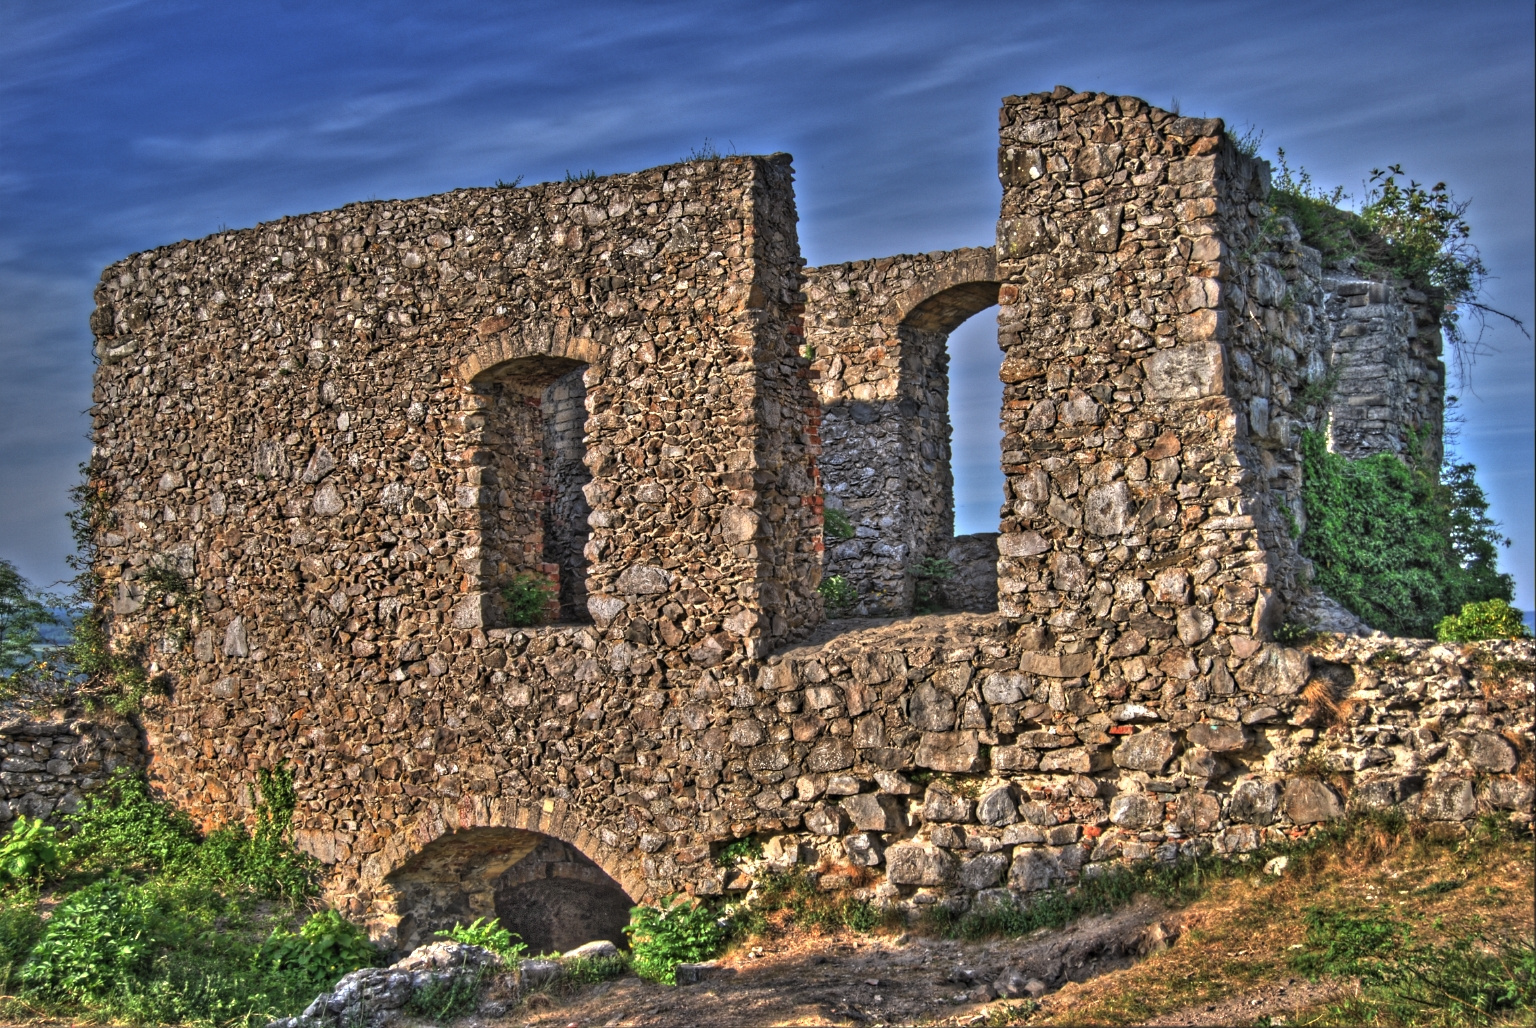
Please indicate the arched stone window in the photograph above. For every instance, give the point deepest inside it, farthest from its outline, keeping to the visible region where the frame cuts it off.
(880, 331)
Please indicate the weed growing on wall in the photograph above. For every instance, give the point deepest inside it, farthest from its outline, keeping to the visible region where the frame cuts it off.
(527, 598)
(1393, 545)
(835, 525)
(1403, 228)
(838, 595)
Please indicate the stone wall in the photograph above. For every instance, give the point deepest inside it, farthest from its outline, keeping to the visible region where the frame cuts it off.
(49, 766)
(342, 429)
(936, 753)
(1388, 383)
(349, 430)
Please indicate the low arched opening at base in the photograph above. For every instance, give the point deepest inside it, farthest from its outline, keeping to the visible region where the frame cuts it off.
(545, 890)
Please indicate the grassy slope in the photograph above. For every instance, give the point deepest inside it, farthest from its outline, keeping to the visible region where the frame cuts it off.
(1361, 916)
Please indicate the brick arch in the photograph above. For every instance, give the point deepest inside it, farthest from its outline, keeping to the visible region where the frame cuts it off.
(962, 283)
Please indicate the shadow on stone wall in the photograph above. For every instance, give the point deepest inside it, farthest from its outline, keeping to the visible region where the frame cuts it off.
(545, 890)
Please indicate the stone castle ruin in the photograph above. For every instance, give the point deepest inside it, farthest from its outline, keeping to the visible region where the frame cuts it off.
(349, 431)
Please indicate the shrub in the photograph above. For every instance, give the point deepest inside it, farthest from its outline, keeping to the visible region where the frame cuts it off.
(487, 933)
(1491, 619)
(122, 827)
(325, 947)
(263, 861)
(97, 939)
(29, 851)
(930, 573)
(1393, 545)
(527, 598)
(837, 595)
(679, 931)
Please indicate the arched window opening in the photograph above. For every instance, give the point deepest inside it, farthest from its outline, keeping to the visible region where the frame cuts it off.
(532, 470)
(979, 489)
(950, 372)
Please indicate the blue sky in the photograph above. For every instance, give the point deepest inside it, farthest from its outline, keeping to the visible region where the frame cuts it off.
(129, 125)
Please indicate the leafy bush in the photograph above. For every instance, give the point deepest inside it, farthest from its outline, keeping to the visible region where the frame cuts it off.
(527, 598)
(121, 827)
(487, 933)
(20, 928)
(930, 574)
(1394, 546)
(679, 931)
(97, 940)
(835, 525)
(29, 851)
(325, 947)
(837, 595)
(1491, 619)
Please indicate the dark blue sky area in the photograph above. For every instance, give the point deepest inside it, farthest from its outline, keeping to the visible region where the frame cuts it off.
(127, 125)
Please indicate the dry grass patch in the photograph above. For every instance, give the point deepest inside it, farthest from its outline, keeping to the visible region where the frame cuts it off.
(1352, 919)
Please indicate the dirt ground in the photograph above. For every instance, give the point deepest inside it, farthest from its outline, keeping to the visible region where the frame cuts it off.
(851, 979)
(1221, 960)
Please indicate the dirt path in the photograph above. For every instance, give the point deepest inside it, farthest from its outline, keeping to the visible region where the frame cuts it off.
(860, 980)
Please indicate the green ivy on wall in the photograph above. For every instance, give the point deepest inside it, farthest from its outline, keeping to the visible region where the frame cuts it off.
(1396, 547)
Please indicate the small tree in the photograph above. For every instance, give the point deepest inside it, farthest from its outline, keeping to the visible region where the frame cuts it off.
(22, 616)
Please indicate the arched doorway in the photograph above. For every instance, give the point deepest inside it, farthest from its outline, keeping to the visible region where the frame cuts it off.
(880, 332)
(949, 348)
(544, 889)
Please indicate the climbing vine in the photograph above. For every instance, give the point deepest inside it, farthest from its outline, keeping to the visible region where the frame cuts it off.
(1394, 545)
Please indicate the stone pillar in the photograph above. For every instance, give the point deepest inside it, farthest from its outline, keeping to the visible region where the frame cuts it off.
(1130, 511)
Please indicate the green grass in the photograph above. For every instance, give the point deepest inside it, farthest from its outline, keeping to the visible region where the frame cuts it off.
(151, 922)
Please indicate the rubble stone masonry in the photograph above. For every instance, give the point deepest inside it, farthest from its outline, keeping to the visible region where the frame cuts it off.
(350, 430)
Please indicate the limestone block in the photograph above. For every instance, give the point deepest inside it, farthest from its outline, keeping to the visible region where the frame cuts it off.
(956, 752)
(1136, 810)
(1308, 801)
(997, 807)
(874, 812)
(825, 820)
(1487, 751)
(917, 863)
(982, 871)
(1034, 869)
(863, 849)
(942, 805)
(1255, 801)
(1448, 799)
(1148, 751)
(1216, 736)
